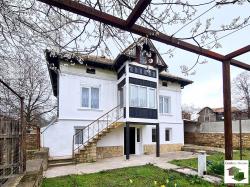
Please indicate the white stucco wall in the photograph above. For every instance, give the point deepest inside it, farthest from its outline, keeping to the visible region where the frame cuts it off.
(177, 133)
(58, 137)
(174, 92)
(114, 138)
(70, 81)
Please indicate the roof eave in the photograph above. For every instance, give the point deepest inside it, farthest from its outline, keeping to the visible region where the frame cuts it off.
(182, 82)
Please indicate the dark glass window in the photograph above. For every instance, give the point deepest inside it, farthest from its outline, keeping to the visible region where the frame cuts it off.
(138, 135)
(90, 70)
(164, 83)
(167, 135)
(153, 134)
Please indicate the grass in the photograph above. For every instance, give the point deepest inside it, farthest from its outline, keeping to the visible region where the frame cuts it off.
(215, 162)
(217, 157)
(139, 176)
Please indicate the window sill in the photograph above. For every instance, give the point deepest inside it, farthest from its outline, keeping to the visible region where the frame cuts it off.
(166, 114)
(90, 109)
(168, 142)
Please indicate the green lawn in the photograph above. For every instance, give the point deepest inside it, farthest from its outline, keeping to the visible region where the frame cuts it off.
(215, 162)
(144, 176)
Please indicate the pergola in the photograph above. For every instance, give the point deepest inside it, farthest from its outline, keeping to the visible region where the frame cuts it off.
(130, 26)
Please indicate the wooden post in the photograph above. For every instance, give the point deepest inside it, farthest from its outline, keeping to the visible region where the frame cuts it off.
(240, 128)
(127, 141)
(23, 142)
(157, 140)
(38, 137)
(227, 110)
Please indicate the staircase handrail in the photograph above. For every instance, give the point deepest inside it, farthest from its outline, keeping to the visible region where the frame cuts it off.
(92, 124)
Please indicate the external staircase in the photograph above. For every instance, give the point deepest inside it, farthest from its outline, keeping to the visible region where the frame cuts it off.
(85, 140)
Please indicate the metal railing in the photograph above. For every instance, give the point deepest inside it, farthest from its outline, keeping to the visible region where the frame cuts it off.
(88, 133)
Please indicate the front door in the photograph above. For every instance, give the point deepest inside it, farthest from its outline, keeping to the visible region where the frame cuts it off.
(139, 149)
(131, 140)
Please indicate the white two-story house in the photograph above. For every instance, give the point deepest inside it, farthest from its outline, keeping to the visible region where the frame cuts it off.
(107, 108)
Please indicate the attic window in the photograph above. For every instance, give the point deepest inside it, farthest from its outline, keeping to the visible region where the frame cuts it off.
(143, 59)
(165, 83)
(90, 70)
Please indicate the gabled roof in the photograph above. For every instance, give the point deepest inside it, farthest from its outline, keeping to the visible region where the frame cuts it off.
(219, 110)
(205, 108)
(53, 60)
(130, 53)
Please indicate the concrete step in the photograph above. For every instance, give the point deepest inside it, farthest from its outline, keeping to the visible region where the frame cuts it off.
(60, 160)
(61, 164)
(63, 161)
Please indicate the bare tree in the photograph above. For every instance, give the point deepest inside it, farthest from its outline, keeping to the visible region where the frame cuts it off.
(241, 91)
(29, 80)
(31, 26)
(190, 110)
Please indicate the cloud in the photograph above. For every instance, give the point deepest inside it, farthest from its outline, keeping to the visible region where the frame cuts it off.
(204, 93)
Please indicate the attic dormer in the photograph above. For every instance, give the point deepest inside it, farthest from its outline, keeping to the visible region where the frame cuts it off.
(143, 52)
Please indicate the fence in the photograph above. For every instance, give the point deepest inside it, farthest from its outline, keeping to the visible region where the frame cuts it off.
(12, 131)
(212, 134)
(217, 127)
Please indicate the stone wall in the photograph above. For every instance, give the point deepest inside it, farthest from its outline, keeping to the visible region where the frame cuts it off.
(109, 151)
(31, 141)
(164, 148)
(88, 154)
(215, 139)
(43, 154)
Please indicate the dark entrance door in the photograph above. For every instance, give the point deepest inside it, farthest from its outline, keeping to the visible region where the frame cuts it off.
(131, 140)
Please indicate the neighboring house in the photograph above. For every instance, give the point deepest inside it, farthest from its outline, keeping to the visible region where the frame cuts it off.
(107, 108)
(215, 114)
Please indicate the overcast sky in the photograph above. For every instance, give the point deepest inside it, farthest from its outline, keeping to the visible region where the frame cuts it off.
(207, 87)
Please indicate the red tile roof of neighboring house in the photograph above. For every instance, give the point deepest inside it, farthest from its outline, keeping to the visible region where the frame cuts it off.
(221, 110)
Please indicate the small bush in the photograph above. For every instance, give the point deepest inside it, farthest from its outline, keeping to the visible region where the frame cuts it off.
(216, 167)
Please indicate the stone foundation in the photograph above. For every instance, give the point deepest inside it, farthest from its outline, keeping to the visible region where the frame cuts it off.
(164, 148)
(88, 154)
(109, 151)
(216, 139)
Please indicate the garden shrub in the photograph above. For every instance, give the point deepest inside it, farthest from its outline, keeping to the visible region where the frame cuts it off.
(216, 167)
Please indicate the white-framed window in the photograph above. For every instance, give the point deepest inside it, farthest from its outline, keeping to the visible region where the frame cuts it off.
(79, 136)
(168, 135)
(165, 104)
(141, 96)
(121, 97)
(90, 97)
(151, 98)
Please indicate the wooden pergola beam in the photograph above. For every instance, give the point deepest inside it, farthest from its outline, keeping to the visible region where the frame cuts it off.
(103, 17)
(129, 26)
(137, 12)
(238, 52)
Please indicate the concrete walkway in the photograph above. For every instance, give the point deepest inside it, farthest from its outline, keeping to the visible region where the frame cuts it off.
(119, 162)
(209, 178)
(209, 150)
